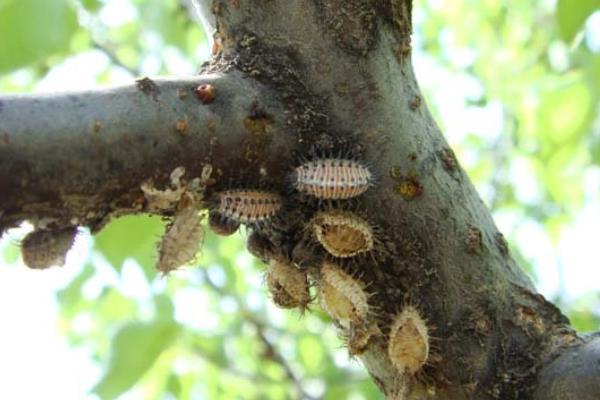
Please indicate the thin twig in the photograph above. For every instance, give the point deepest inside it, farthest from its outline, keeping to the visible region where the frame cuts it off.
(113, 58)
(276, 357)
(253, 319)
(234, 371)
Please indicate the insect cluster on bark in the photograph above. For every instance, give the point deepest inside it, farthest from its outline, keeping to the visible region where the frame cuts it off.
(346, 237)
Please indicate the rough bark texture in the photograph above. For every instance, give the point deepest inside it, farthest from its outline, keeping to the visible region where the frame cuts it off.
(292, 77)
(80, 158)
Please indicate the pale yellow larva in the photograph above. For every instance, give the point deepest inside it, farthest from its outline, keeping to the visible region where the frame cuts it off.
(343, 234)
(408, 341)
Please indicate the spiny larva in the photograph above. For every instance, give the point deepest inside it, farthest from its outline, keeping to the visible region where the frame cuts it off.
(333, 178)
(248, 206)
(288, 285)
(43, 248)
(342, 296)
(182, 239)
(342, 233)
(345, 299)
(408, 346)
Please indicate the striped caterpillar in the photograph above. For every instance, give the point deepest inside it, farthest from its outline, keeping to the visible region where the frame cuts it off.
(248, 206)
(333, 178)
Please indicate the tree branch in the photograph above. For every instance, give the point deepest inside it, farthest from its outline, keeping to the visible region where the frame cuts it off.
(575, 375)
(79, 157)
(337, 78)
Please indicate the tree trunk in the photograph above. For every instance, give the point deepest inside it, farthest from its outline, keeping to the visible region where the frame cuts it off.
(293, 80)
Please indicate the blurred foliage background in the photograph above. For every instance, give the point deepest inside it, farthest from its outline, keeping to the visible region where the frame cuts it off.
(516, 87)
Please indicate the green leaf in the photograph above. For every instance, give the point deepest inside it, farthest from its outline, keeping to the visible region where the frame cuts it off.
(31, 30)
(134, 350)
(131, 236)
(584, 320)
(211, 348)
(91, 5)
(164, 308)
(114, 306)
(337, 392)
(173, 386)
(70, 295)
(168, 20)
(11, 253)
(572, 14)
(564, 114)
(592, 74)
(310, 351)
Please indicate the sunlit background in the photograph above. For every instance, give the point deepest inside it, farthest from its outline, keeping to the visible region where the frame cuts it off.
(515, 85)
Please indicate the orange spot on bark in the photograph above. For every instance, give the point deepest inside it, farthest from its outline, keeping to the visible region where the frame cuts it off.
(410, 188)
(206, 93)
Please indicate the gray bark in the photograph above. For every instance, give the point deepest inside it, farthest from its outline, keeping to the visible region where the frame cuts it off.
(80, 158)
(574, 375)
(326, 74)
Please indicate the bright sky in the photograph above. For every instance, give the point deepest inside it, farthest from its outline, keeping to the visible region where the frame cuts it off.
(36, 362)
